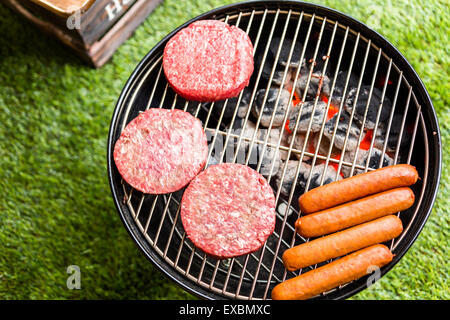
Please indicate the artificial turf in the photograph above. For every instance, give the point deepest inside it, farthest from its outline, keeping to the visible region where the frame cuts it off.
(56, 208)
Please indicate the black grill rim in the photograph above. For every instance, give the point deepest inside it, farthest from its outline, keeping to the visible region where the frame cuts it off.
(432, 126)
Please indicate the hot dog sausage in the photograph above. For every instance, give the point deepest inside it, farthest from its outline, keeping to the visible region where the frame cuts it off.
(329, 276)
(343, 242)
(338, 192)
(355, 212)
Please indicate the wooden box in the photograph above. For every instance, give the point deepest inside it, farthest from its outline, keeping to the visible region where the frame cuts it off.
(94, 29)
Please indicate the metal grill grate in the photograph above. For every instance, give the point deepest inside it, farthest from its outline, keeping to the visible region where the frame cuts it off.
(335, 47)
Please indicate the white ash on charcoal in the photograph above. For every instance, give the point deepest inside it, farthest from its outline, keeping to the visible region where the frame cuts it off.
(238, 131)
(283, 209)
(269, 156)
(341, 131)
(275, 137)
(288, 83)
(324, 147)
(286, 185)
(318, 172)
(394, 133)
(318, 84)
(377, 156)
(295, 64)
(284, 142)
(270, 108)
(242, 131)
(318, 118)
(374, 106)
(349, 157)
(362, 157)
(299, 142)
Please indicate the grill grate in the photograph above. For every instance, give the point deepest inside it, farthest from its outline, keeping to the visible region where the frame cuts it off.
(335, 47)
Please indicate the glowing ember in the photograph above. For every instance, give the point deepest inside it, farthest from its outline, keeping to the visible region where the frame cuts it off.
(286, 127)
(336, 165)
(296, 100)
(365, 143)
(311, 148)
(382, 81)
(332, 110)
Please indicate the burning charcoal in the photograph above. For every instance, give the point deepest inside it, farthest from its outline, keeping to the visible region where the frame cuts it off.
(230, 148)
(349, 157)
(376, 156)
(361, 160)
(289, 178)
(373, 108)
(284, 142)
(298, 144)
(339, 86)
(394, 133)
(380, 138)
(324, 146)
(282, 209)
(318, 171)
(295, 64)
(305, 169)
(238, 125)
(230, 106)
(342, 127)
(305, 118)
(275, 136)
(271, 158)
(288, 80)
(319, 84)
(268, 109)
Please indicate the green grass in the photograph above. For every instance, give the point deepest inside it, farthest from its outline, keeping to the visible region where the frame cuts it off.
(56, 209)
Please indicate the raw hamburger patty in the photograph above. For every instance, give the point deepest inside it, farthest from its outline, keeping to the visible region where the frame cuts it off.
(208, 61)
(228, 210)
(161, 150)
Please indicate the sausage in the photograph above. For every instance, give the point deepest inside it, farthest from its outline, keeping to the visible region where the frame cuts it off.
(336, 193)
(329, 276)
(355, 212)
(343, 242)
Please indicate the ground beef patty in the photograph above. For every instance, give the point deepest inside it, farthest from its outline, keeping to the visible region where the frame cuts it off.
(228, 210)
(208, 61)
(161, 150)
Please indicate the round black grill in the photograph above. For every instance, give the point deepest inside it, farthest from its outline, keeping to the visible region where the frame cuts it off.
(329, 56)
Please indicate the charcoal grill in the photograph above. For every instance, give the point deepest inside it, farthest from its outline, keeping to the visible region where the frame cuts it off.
(328, 41)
